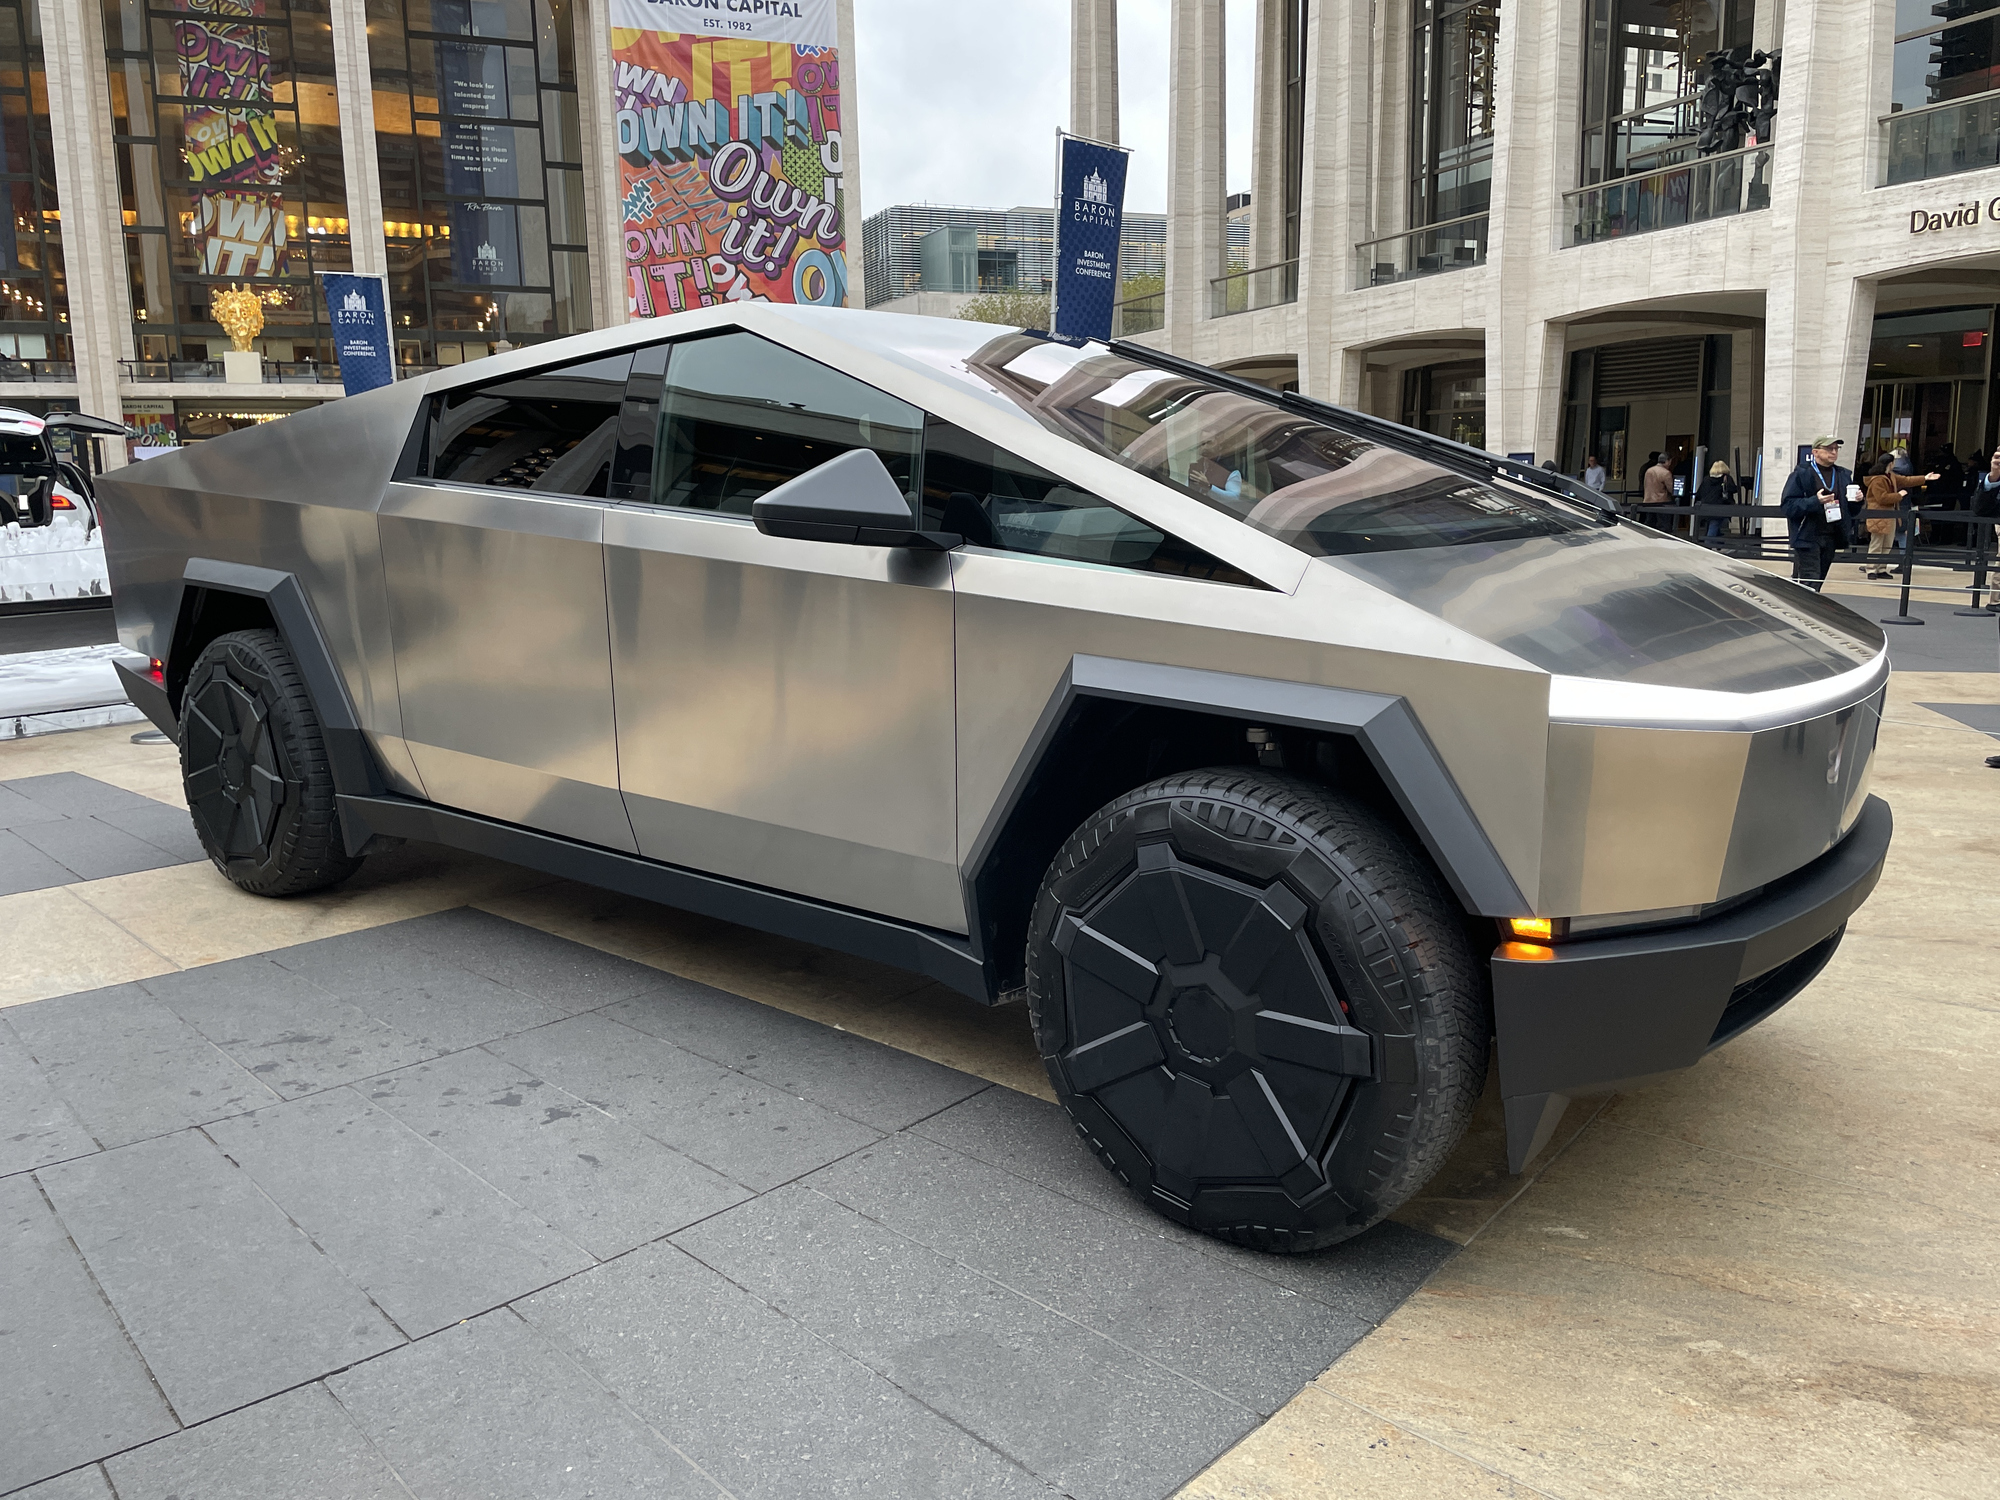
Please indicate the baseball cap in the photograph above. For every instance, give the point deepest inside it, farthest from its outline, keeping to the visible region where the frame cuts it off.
(1829, 441)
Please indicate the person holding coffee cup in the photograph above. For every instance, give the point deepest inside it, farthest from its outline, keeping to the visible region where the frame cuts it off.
(1818, 501)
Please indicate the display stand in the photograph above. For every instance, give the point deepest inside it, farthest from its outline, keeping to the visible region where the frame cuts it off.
(242, 367)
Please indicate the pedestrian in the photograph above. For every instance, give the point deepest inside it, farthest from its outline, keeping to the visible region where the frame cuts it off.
(1593, 474)
(1884, 492)
(1720, 488)
(1657, 487)
(1815, 504)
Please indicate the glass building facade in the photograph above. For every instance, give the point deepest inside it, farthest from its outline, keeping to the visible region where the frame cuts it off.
(480, 151)
(227, 135)
(34, 297)
(1453, 97)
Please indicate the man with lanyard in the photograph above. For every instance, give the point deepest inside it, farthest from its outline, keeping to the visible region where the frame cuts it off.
(1816, 503)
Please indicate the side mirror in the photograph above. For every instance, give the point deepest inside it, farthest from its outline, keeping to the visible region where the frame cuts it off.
(846, 499)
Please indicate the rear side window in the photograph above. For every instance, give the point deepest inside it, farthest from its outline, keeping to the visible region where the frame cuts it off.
(739, 415)
(993, 498)
(553, 431)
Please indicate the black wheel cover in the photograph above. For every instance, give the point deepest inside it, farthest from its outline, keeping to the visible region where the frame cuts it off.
(239, 779)
(1204, 1024)
(1242, 1019)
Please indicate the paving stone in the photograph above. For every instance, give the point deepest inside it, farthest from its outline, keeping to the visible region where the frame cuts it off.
(76, 796)
(439, 1004)
(78, 1484)
(226, 1300)
(93, 850)
(162, 826)
(573, 977)
(427, 1239)
(292, 1034)
(16, 810)
(36, 1127)
(489, 1409)
(760, 1402)
(604, 1184)
(1084, 1413)
(23, 867)
(852, 1075)
(130, 1067)
(756, 1134)
(301, 1444)
(1368, 1277)
(1254, 1341)
(71, 1388)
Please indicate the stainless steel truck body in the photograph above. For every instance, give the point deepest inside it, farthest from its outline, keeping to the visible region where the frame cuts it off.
(1282, 759)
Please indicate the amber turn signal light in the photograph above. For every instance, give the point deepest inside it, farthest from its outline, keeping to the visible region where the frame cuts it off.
(1531, 929)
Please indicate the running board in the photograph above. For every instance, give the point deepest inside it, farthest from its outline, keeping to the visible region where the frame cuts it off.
(942, 956)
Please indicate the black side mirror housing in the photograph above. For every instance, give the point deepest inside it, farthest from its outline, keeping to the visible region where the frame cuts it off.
(848, 499)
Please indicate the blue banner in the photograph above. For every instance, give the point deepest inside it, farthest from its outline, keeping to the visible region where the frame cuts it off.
(357, 307)
(1090, 217)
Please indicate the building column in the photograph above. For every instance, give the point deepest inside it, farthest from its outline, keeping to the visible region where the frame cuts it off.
(1538, 59)
(597, 131)
(1093, 69)
(1333, 192)
(1196, 167)
(851, 220)
(1817, 317)
(1267, 137)
(93, 231)
(355, 90)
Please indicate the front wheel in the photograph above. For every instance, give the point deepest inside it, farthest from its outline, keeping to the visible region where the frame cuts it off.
(253, 764)
(1259, 1005)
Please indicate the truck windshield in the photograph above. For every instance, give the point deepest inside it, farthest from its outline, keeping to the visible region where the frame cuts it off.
(1323, 490)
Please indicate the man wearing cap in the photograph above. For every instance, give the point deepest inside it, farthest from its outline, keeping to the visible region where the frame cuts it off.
(1816, 504)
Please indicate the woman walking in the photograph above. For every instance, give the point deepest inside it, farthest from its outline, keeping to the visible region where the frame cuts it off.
(1884, 492)
(1720, 488)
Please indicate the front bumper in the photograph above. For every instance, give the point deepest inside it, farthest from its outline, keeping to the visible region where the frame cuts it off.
(1604, 1014)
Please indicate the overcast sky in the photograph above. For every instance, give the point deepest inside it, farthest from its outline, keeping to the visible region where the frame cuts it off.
(960, 103)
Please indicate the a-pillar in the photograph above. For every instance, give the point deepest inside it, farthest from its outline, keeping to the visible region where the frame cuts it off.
(1818, 317)
(1093, 69)
(1196, 106)
(354, 89)
(100, 297)
(1333, 190)
(1267, 137)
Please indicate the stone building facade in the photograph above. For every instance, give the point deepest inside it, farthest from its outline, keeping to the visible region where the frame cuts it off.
(1522, 223)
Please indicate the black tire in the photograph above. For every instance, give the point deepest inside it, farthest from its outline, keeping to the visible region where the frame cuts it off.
(1259, 1004)
(253, 764)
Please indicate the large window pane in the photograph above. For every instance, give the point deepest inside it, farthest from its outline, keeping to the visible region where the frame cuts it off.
(34, 303)
(740, 416)
(551, 431)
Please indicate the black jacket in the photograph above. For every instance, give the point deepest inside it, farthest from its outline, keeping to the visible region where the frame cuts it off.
(1805, 518)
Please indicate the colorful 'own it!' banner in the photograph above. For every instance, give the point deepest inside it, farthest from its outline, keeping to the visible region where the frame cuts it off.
(729, 149)
(231, 138)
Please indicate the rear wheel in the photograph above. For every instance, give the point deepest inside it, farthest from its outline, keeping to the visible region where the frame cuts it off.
(1259, 1005)
(253, 763)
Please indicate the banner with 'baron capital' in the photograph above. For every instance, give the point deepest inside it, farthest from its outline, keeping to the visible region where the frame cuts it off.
(357, 309)
(729, 145)
(1090, 218)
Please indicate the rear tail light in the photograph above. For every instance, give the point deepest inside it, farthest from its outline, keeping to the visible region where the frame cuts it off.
(62, 502)
(157, 669)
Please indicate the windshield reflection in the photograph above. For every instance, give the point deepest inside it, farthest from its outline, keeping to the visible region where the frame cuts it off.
(1322, 490)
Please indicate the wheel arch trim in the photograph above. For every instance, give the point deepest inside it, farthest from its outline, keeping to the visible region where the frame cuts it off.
(349, 759)
(1384, 725)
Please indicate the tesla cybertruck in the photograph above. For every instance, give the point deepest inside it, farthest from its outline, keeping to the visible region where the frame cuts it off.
(1283, 760)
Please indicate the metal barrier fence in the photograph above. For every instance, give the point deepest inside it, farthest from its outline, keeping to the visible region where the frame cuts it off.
(1978, 558)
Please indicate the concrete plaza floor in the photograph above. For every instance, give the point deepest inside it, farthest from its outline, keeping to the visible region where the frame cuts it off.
(1772, 1276)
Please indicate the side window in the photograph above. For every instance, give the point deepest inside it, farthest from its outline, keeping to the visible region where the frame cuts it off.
(552, 430)
(740, 415)
(994, 499)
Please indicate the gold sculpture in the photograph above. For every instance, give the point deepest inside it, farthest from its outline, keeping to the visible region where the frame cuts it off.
(241, 315)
